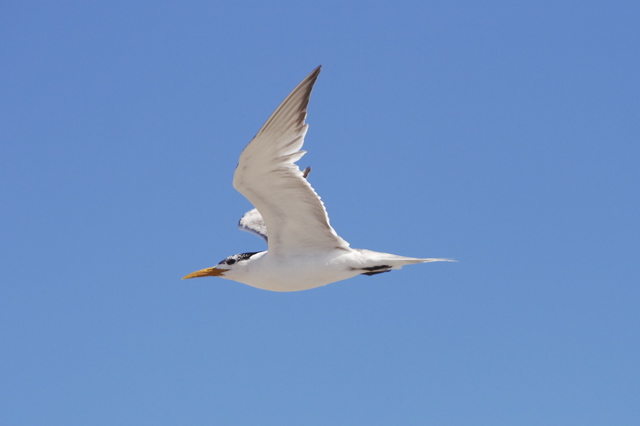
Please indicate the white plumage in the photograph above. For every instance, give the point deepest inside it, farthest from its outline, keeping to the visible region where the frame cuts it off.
(304, 250)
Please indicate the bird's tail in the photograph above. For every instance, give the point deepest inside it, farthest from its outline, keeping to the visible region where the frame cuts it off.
(376, 262)
(400, 261)
(411, 260)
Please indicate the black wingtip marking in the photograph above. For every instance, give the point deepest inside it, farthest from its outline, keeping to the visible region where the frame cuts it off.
(373, 270)
(376, 268)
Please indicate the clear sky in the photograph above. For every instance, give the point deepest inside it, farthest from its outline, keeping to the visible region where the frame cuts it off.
(502, 134)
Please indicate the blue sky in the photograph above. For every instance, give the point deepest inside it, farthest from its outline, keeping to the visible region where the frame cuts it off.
(502, 134)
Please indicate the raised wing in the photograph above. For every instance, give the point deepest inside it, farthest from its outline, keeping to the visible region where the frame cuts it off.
(269, 178)
(253, 222)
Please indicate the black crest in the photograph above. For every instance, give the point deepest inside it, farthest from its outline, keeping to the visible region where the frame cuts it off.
(237, 258)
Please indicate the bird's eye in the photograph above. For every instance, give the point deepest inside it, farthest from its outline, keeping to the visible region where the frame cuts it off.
(231, 261)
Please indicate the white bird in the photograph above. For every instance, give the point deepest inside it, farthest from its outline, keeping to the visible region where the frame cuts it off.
(304, 251)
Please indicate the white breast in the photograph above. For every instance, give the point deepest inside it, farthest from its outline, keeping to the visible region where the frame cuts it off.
(295, 273)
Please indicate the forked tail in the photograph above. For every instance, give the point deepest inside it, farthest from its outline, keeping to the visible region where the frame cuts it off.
(377, 263)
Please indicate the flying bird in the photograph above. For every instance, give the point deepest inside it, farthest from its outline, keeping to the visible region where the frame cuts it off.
(304, 251)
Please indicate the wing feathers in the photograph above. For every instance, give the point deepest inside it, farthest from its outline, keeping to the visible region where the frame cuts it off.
(268, 176)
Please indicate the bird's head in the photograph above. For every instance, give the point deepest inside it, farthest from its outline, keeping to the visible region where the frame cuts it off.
(226, 266)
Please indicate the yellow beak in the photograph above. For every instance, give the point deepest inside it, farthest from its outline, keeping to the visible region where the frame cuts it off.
(206, 272)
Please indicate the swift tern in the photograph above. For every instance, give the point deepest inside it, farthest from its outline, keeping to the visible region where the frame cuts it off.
(304, 251)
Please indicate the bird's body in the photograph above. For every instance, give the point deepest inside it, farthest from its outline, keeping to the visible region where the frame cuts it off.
(304, 250)
(308, 270)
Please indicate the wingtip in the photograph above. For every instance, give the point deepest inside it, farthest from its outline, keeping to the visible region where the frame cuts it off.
(313, 75)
